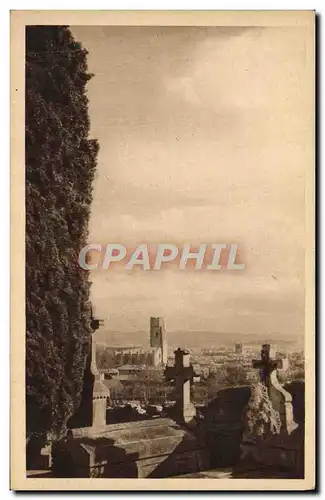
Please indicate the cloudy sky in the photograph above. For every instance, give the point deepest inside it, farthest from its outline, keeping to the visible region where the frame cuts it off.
(202, 135)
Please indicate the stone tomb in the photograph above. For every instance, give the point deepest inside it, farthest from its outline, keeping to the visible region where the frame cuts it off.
(151, 448)
(223, 431)
(159, 447)
(284, 450)
(280, 398)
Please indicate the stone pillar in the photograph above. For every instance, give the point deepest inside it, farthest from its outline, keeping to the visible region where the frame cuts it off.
(99, 411)
(85, 415)
(100, 391)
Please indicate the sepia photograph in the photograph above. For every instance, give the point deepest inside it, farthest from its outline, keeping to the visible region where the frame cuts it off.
(162, 310)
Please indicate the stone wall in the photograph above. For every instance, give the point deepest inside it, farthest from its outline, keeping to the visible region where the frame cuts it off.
(221, 426)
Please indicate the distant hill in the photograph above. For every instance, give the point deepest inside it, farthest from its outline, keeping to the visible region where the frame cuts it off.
(195, 339)
(122, 339)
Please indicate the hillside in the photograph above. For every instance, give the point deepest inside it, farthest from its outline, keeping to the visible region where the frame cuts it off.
(197, 339)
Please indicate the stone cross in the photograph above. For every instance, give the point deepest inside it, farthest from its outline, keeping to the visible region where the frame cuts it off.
(182, 373)
(267, 364)
(280, 398)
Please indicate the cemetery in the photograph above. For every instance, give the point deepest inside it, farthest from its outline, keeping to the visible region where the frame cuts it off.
(244, 431)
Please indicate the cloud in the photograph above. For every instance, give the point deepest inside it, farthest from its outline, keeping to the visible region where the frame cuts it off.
(258, 69)
(202, 136)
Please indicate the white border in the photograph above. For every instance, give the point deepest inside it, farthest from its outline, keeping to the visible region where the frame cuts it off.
(4, 198)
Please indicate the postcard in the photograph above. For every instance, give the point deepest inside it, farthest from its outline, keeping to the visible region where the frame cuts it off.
(162, 250)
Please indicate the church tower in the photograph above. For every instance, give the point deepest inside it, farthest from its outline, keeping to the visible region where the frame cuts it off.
(158, 337)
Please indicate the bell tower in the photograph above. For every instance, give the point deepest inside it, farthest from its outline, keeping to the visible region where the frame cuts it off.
(158, 337)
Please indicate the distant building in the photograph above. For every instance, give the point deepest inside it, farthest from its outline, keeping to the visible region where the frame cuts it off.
(158, 339)
(239, 348)
(154, 356)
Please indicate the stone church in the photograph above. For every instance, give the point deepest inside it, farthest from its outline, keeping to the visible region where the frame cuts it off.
(155, 355)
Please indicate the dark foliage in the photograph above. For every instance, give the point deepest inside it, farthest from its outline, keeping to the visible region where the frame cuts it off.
(60, 166)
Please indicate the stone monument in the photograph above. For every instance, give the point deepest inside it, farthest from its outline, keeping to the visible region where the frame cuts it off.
(182, 373)
(280, 398)
(283, 449)
(147, 448)
(92, 409)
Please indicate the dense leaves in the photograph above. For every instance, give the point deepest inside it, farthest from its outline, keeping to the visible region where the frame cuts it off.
(60, 166)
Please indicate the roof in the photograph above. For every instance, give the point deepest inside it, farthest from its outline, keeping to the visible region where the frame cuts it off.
(131, 367)
(139, 368)
(123, 347)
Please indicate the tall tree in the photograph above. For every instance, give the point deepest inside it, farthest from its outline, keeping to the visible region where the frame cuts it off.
(60, 166)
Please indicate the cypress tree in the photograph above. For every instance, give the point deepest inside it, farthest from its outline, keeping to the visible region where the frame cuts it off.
(60, 165)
